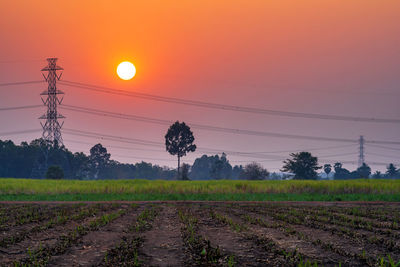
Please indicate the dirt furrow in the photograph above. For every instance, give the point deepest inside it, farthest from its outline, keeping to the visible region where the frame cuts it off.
(16, 232)
(378, 240)
(91, 248)
(358, 222)
(48, 238)
(284, 237)
(200, 234)
(163, 245)
(344, 241)
(244, 248)
(16, 217)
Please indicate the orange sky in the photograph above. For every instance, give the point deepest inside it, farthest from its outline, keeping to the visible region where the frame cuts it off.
(332, 57)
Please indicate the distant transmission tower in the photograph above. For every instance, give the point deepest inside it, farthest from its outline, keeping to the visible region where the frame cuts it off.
(361, 159)
(52, 127)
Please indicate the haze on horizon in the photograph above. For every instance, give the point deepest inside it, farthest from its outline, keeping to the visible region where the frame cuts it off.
(311, 56)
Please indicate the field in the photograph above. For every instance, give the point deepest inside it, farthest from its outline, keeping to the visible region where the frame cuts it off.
(199, 234)
(224, 190)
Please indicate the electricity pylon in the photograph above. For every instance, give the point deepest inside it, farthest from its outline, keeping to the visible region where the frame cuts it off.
(52, 127)
(361, 159)
(51, 136)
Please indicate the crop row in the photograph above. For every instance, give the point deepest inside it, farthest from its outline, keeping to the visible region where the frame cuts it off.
(75, 215)
(382, 261)
(344, 225)
(355, 220)
(212, 235)
(201, 252)
(15, 216)
(291, 257)
(309, 222)
(40, 256)
(286, 228)
(300, 215)
(126, 253)
(381, 214)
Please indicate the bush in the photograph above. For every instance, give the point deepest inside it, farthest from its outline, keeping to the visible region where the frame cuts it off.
(185, 171)
(55, 172)
(254, 171)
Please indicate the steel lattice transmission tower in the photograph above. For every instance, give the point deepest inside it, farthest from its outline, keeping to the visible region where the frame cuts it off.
(361, 159)
(51, 126)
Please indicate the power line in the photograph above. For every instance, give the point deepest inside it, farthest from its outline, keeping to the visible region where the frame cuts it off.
(136, 157)
(20, 83)
(151, 143)
(299, 150)
(19, 61)
(385, 147)
(216, 128)
(338, 155)
(203, 127)
(203, 104)
(382, 142)
(204, 150)
(206, 127)
(325, 160)
(117, 147)
(144, 142)
(213, 105)
(158, 144)
(19, 132)
(356, 163)
(142, 158)
(233, 161)
(254, 152)
(324, 157)
(20, 107)
(380, 155)
(266, 160)
(113, 137)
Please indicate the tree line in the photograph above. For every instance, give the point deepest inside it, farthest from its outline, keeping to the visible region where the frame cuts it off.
(40, 159)
(179, 140)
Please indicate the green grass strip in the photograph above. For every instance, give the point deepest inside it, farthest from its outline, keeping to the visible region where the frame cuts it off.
(140, 186)
(201, 197)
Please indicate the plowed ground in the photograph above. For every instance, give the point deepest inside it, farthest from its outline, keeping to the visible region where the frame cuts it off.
(200, 234)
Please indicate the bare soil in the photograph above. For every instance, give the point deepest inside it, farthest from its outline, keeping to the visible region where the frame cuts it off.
(90, 250)
(163, 245)
(243, 233)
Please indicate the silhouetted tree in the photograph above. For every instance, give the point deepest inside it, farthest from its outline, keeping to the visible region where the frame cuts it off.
(364, 171)
(185, 171)
(377, 175)
(275, 176)
(80, 166)
(179, 141)
(201, 168)
(391, 171)
(211, 167)
(98, 159)
(337, 166)
(236, 172)
(254, 171)
(303, 165)
(327, 169)
(340, 172)
(20, 160)
(144, 170)
(221, 169)
(55, 172)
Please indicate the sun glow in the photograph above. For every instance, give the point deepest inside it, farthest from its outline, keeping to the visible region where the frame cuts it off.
(126, 70)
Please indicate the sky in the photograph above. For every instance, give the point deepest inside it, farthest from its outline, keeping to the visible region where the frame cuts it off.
(311, 56)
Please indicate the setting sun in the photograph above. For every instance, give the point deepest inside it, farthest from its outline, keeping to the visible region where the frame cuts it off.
(126, 70)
